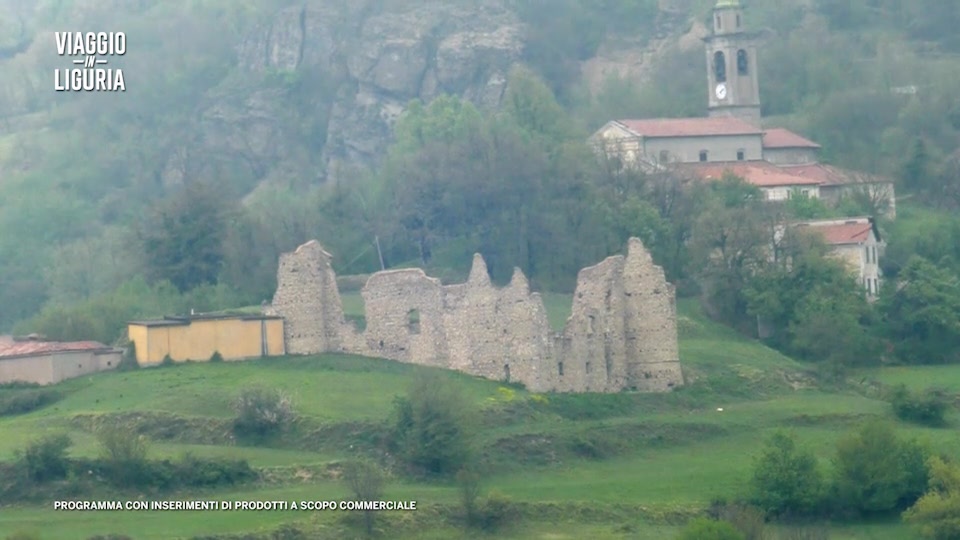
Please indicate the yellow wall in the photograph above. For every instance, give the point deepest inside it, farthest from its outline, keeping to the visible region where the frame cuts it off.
(234, 339)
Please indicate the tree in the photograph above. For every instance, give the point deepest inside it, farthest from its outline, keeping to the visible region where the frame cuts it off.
(922, 313)
(183, 237)
(433, 426)
(937, 513)
(365, 481)
(876, 472)
(786, 479)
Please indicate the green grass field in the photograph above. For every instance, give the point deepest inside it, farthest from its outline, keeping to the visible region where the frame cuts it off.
(681, 451)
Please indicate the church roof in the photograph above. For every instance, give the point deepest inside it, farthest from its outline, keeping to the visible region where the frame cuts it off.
(783, 138)
(843, 231)
(759, 173)
(689, 127)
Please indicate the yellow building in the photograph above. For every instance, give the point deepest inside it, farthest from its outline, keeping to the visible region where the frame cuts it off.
(198, 337)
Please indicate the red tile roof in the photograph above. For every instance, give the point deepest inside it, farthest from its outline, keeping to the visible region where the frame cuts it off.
(689, 127)
(783, 138)
(832, 176)
(837, 233)
(36, 348)
(758, 173)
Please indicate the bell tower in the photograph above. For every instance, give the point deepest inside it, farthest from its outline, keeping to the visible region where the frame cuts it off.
(734, 88)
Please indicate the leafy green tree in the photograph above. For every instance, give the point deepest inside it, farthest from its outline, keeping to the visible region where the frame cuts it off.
(875, 471)
(709, 529)
(786, 479)
(433, 426)
(183, 237)
(937, 513)
(922, 313)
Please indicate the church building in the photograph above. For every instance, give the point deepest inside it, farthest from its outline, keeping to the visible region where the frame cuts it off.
(732, 138)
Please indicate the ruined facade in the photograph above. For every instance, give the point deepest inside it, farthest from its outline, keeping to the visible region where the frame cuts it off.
(621, 334)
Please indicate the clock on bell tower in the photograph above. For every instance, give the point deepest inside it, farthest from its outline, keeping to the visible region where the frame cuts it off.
(734, 88)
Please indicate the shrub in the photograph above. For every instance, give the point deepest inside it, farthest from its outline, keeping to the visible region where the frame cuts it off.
(46, 458)
(876, 472)
(261, 412)
(167, 361)
(786, 478)
(192, 471)
(216, 357)
(365, 481)
(124, 457)
(709, 529)
(469, 483)
(129, 360)
(495, 512)
(22, 401)
(433, 426)
(937, 513)
(805, 532)
(927, 408)
(748, 520)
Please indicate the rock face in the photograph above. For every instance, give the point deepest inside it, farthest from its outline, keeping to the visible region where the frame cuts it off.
(371, 58)
(621, 335)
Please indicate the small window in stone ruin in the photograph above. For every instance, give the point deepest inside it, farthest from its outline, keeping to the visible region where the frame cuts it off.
(381, 343)
(560, 368)
(646, 375)
(587, 366)
(591, 320)
(413, 321)
(703, 155)
(109, 364)
(506, 372)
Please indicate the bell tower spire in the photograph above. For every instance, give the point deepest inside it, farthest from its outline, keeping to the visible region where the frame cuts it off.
(734, 88)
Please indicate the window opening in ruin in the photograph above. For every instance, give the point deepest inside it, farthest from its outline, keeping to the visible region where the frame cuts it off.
(413, 321)
(720, 66)
(381, 343)
(588, 367)
(742, 62)
(591, 320)
(506, 372)
(646, 375)
(608, 359)
(560, 368)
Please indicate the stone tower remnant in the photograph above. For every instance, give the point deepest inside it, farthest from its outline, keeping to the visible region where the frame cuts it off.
(621, 334)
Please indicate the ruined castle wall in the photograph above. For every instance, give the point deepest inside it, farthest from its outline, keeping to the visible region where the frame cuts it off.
(309, 301)
(651, 314)
(405, 319)
(621, 333)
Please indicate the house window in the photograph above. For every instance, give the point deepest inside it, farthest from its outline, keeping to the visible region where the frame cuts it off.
(413, 321)
(740, 155)
(719, 22)
(703, 155)
(664, 156)
(874, 249)
(738, 20)
(742, 62)
(720, 66)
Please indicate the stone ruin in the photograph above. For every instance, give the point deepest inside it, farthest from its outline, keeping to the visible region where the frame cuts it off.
(621, 334)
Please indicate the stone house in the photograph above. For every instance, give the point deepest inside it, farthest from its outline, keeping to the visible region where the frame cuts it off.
(732, 136)
(33, 360)
(855, 241)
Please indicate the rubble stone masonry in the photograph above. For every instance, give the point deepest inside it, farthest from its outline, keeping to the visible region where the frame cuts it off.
(621, 334)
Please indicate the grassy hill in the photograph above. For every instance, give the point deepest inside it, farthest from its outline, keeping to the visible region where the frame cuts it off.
(575, 466)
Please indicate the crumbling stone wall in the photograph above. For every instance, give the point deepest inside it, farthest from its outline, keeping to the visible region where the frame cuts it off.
(621, 334)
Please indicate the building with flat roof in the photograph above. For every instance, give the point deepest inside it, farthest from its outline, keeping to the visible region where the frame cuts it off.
(199, 337)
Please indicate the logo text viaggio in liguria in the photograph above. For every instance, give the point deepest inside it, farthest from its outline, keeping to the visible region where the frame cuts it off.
(90, 53)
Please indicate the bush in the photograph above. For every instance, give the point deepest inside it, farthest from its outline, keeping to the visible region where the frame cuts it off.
(46, 459)
(469, 483)
(877, 472)
(365, 481)
(786, 479)
(928, 408)
(708, 529)
(167, 361)
(192, 471)
(216, 357)
(495, 512)
(433, 426)
(22, 401)
(748, 520)
(261, 412)
(124, 457)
